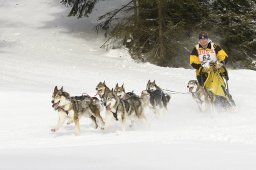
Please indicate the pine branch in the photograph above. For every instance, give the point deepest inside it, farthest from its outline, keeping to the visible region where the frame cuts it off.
(110, 15)
(80, 8)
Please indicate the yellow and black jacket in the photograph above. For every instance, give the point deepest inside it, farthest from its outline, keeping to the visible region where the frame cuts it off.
(194, 56)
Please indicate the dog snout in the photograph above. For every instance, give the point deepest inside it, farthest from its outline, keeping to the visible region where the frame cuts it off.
(52, 101)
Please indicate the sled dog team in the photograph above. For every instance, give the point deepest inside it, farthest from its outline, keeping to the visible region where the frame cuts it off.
(124, 107)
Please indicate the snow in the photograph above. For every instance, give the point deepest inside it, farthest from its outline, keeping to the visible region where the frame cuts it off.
(40, 48)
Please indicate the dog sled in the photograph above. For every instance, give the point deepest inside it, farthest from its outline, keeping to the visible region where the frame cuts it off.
(216, 86)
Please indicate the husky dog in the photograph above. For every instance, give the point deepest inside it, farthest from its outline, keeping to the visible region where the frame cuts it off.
(157, 96)
(120, 92)
(131, 98)
(145, 98)
(74, 108)
(199, 94)
(207, 100)
(102, 90)
(123, 110)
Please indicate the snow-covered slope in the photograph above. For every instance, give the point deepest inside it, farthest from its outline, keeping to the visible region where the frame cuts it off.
(40, 48)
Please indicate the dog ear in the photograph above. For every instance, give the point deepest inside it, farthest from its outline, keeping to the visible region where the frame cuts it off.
(116, 84)
(154, 82)
(123, 87)
(148, 83)
(147, 87)
(104, 82)
(55, 89)
(61, 89)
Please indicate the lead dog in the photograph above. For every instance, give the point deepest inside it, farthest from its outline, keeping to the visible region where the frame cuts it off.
(74, 108)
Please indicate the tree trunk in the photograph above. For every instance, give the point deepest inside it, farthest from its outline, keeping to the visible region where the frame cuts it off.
(136, 12)
(161, 32)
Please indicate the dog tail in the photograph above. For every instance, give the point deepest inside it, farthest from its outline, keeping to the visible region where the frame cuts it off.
(168, 97)
(165, 99)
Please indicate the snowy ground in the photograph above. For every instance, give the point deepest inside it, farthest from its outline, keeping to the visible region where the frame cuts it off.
(40, 48)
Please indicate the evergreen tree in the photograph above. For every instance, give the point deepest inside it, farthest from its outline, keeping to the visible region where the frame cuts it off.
(144, 32)
(235, 23)
(164, 32)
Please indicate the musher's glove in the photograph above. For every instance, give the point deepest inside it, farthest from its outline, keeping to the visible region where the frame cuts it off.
(206, 66)
(219, 64)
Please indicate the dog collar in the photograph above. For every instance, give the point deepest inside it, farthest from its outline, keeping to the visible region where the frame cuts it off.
(60, 108)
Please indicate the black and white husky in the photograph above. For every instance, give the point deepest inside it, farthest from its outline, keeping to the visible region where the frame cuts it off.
(75, 107)
(157, 97)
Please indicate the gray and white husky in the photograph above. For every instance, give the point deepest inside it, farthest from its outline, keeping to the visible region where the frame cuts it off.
(199, 94)
(74, 108)
(133, 100)
(102, 90)
(120, 92)
(207, 101)
(126, 110)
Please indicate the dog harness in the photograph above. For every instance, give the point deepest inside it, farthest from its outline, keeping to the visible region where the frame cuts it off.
(196, 94)
(66, 111)
(115, 113)
(126, 105)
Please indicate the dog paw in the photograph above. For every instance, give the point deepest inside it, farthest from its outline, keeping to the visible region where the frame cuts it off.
(95, 126)
(53, 130)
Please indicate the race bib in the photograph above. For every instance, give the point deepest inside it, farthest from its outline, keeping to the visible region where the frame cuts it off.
(208, 55)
